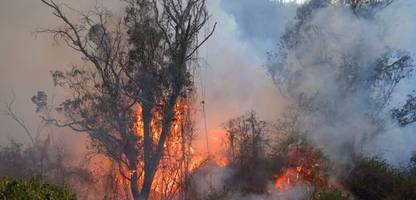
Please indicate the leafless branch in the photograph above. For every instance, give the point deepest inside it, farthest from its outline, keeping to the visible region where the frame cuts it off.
(9, 112)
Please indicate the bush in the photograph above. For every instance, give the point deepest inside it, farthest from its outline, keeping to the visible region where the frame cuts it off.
(405, 187)
(33, 189)
(371, 178)
(374, 179)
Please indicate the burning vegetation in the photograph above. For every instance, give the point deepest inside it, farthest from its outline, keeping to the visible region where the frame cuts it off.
(179, 159)
(304, 166)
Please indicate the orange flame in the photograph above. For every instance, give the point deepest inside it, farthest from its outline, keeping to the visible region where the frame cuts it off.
(288, 179)
(179, 158)
(304, 166)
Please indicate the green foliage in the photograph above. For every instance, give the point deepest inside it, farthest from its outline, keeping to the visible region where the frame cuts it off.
(33, 189)
(374, 179)
(405, 187)
(371, 179)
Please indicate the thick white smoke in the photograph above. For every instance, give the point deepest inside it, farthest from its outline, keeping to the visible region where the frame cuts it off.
(232, 77)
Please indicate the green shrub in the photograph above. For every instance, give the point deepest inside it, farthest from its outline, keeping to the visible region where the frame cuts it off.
(371, 179)
(33, 189)
(374, 179)
(405, 187)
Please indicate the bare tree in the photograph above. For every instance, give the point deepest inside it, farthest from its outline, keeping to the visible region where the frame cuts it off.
(147, 69)
(8, 111)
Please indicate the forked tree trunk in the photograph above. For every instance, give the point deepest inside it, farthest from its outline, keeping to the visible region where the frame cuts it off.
(152, 158)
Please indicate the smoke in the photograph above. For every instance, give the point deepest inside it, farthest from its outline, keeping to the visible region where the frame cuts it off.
(343, 125)
(232, 76)
(260, 22)
(295, 192)
(27, 59)
(330, 67)
(211, 182)
(233, 79)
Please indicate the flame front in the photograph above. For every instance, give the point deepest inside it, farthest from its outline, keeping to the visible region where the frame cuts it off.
(305, 166)
(180, 158)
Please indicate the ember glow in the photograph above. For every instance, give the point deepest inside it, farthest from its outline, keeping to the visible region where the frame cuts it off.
(289, 179)
(305, 166)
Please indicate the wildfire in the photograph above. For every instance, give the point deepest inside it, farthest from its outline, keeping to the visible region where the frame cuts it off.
(305, 165)
(290, 178)
(180, 158)
(222, 162)
(217, 148)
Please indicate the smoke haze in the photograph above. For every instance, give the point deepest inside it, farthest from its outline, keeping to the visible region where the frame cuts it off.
(233, 78)
(232, 72)
(342, 127)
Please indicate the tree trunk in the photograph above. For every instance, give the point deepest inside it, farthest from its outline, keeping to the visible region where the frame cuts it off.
(152, 162)
(147, 183)
(134, 186)
(131, 154)
(148, 143)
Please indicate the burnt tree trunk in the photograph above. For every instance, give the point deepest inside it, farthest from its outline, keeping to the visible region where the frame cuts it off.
(152, 159)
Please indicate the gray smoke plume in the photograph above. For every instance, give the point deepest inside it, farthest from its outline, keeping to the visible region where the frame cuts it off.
(340, 68)
(234, 80)
(344, 125)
